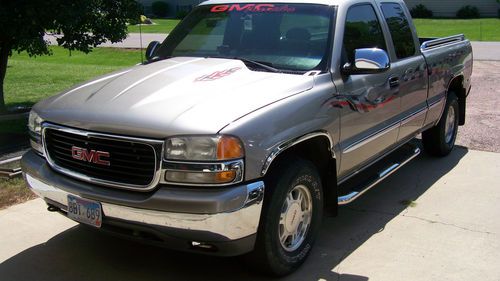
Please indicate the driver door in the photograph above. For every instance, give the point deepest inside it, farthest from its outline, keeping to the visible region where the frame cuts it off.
(369, 121)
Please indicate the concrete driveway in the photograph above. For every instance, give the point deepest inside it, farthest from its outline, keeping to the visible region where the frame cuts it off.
(451, 233)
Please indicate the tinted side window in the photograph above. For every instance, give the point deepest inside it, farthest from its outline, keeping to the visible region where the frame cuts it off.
(362, 30)
(400, 30)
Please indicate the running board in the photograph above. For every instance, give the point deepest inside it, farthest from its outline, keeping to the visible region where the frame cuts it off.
(384, 173)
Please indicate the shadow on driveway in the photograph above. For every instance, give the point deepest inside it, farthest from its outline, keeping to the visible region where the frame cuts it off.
(84, 254)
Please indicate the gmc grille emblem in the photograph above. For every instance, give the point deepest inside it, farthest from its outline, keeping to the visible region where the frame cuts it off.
(91, 156)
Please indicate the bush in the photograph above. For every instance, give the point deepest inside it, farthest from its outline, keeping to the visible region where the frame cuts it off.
(468, 12)
(498, 1)
(159, 9)
(137, 20)
(421, 11)
(181, 14)
(142, 20)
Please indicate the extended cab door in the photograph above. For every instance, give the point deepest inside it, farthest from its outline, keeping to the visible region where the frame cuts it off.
(371, 108)
(408, 68)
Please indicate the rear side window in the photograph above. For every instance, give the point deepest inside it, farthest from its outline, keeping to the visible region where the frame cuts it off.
(399, 27)
(362, 30)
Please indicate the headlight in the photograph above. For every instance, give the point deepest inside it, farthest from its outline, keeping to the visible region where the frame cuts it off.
(35, 123)
(35, 132)
(203, 148)
(203, 160)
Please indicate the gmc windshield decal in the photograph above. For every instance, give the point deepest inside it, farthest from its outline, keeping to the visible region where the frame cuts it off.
(252, 8)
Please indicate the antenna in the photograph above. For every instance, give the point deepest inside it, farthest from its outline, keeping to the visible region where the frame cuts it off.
(140, 38)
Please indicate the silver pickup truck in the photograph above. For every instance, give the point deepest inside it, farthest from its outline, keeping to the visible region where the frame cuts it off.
(248, 122)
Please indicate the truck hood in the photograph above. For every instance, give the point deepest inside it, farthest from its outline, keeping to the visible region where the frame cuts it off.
(175, 96)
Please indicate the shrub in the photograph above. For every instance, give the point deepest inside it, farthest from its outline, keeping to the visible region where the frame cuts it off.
(468, 12)
(159, 9)
(421, 11)
(142, 20)
(181, 14)
(499, 13)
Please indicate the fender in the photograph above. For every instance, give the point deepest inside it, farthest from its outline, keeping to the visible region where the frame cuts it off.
(292, 142)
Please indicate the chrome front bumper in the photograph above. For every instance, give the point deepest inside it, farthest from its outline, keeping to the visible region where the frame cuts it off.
(234, 225)
(239, 221)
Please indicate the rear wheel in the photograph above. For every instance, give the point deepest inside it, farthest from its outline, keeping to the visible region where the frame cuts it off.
(291, 217)
(440, 139)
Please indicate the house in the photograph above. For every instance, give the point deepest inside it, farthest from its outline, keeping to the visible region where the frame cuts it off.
(449, 8)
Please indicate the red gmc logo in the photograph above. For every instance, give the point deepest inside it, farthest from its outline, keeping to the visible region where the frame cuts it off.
(252, 8)
(91, 156)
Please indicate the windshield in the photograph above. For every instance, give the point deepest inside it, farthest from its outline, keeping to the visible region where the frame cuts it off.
(291, 37)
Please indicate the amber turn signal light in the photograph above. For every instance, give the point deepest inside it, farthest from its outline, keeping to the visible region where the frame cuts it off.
(229, 148)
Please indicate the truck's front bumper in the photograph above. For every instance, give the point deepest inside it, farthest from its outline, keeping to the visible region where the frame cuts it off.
(221, 222)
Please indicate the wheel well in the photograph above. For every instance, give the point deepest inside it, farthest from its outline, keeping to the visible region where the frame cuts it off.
(457, 86)
(317, 150)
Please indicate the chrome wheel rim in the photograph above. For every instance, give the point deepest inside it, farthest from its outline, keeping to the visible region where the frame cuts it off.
(450, 125)
(295, 218)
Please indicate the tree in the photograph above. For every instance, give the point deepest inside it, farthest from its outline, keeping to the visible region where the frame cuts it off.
(84, 24)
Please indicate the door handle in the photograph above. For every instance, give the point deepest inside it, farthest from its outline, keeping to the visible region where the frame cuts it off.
(394, 82)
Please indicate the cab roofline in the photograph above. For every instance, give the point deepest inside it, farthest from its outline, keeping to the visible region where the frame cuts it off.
(320, 2)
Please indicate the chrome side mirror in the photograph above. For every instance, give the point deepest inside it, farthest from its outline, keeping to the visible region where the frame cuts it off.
(151, 49)
(367, 61)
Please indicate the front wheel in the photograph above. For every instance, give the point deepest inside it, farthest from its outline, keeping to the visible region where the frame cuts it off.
(290, 218)
(440, 139)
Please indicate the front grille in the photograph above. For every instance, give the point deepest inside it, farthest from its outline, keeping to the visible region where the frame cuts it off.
(130, 163)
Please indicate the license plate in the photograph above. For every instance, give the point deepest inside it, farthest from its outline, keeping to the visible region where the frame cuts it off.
(84, 211)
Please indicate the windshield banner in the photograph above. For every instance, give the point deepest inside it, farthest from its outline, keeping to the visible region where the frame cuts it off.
(252, 8)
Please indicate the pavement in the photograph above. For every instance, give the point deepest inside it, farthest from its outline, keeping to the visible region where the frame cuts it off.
(133, 40)
(482, 122)
(486, 50)
(450, 232)
(482, 50)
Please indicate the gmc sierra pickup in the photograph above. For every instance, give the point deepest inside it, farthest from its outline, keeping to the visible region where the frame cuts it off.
(247, 122)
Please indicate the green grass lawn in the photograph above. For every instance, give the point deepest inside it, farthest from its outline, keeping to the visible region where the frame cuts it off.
(29, 80)
(160, 26)
(474, 29)
(14, 191)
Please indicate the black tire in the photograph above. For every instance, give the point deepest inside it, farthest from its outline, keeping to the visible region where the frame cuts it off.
(270, 255)
(436, 140)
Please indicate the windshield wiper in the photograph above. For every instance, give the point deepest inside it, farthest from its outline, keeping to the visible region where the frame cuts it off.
(264, 65)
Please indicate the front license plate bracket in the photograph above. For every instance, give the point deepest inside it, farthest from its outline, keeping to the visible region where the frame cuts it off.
(85, 211)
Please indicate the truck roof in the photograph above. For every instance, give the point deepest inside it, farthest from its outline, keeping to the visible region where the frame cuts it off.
(322, 2)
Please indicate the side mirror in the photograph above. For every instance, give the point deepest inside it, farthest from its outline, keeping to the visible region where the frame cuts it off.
(367, 61)
(151, 49)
